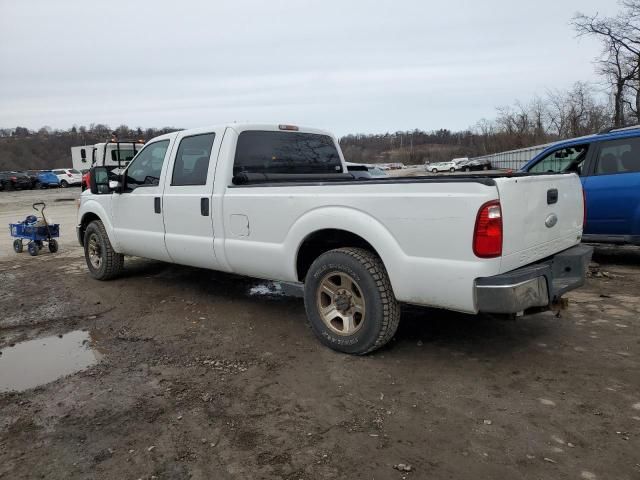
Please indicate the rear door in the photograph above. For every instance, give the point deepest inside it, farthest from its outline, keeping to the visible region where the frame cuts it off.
(613, 189)
(188, 207)
(541, 215)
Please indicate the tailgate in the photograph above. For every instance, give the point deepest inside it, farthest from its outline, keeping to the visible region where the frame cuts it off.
(541, 214)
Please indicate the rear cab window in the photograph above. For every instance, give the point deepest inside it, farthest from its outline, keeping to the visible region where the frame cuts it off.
(123, 154)
(286, 152)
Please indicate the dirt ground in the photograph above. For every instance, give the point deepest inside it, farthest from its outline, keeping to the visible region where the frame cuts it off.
(204, 375)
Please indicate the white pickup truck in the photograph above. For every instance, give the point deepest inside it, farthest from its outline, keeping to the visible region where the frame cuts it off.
(276, 202)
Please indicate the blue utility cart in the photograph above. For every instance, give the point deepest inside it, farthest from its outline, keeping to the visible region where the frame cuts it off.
(31, 229)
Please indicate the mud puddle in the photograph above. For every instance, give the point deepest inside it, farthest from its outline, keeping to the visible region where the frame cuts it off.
(37, 362)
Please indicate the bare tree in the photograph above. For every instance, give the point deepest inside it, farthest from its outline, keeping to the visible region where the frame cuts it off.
(621, 53)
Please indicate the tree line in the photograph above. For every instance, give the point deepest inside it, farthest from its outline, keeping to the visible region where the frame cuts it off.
(24, 149)
(580, 110)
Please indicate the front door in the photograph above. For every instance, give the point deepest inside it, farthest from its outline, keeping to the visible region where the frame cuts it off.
(187, 202)
(137, 211)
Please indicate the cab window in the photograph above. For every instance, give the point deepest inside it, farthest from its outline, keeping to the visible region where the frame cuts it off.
(285, 152)
(145, 169)
(619, 156)
(192, 160)
(563, 160)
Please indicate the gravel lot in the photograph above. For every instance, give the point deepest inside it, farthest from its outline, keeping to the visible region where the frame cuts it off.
(198, 374)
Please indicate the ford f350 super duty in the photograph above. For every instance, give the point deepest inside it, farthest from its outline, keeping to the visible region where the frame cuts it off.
(277, 202)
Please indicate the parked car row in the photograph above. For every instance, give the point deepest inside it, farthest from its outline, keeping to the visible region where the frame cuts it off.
(463, 164)
(30, 179)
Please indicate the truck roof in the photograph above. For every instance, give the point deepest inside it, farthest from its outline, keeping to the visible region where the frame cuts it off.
(241, 127)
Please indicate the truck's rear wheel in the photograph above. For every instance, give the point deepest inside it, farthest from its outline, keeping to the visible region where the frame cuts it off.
(349, 301)
(103, 262)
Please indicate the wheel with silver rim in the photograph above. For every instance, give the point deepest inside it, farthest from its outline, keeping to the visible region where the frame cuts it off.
(94, 251)
(341, 304)
(349, 301)
(102, 260)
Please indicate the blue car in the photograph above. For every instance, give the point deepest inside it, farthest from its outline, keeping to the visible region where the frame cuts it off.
(46, 179)
(608, 164)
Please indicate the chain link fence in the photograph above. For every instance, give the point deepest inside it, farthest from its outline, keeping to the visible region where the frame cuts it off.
(513, 159)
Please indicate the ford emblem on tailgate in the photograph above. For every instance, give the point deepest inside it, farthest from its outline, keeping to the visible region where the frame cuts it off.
(551, 220)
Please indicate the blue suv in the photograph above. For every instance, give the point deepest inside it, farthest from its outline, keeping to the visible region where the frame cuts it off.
(608, 164)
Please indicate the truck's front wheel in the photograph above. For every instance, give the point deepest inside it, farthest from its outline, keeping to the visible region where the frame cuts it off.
(103, 262)
(349, 301)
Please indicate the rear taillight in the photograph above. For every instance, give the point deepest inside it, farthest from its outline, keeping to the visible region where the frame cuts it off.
(487, 236)
(584, 209)
(69, 175)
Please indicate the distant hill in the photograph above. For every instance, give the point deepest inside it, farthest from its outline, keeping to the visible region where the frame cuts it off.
(22, 149)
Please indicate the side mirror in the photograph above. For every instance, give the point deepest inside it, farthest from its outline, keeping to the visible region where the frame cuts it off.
(100, 182)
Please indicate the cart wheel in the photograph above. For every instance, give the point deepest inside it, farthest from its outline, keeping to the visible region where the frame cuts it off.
(53, 246)
(17, 245)
(33, 249)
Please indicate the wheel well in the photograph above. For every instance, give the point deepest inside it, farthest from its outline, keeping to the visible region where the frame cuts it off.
(86, 220)
(322, 241)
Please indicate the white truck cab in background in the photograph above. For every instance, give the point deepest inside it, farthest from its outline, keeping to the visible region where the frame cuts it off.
(114, 154)
(277, 202)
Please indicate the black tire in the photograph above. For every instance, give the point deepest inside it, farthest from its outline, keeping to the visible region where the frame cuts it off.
(38, 185)
(435, 170)
(17, 245)
(486, 167)
(381, 315)
(452, 169)
(64, 183)
(467, 169)
(33, 249)
(111, 263)
(53, 245)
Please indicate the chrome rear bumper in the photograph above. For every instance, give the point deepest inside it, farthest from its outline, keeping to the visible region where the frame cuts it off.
(534, 286)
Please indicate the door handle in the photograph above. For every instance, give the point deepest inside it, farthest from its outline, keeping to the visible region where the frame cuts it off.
(204, 207)
(156, 205)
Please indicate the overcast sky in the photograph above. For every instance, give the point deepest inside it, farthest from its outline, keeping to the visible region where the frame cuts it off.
(348, 66)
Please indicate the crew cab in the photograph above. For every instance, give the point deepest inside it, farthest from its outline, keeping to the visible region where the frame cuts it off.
(608, 164)
(277, 202)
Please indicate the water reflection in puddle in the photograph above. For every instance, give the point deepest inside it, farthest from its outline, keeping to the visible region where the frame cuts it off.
(43, 360)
